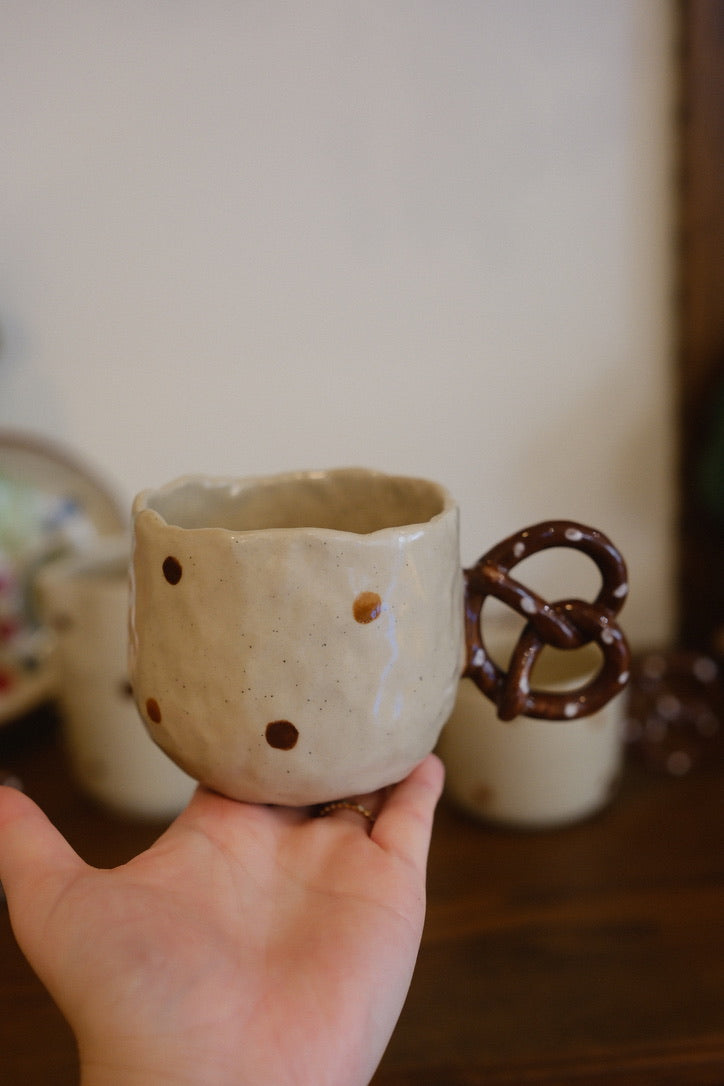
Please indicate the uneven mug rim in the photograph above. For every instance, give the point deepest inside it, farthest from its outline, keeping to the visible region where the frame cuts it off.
(146, 501)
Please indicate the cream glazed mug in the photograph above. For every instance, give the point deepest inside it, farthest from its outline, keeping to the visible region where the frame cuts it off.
(299, 638)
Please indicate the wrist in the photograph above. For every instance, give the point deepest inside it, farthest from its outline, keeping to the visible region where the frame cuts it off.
(162, 1069)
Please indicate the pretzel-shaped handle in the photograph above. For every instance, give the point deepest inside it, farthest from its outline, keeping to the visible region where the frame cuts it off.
(565, 624)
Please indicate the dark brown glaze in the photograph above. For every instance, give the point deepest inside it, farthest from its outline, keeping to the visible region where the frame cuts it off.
(564, 624)
(675, 711)
(281, 734)
(153, 709)
(172, 569)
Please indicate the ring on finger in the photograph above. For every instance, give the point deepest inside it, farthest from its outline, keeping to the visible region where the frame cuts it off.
(344, 805)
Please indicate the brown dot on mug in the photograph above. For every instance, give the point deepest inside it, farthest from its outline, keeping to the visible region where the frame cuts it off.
(154, 710)
(281, 734)
(125, 689)
(172, 569)
(367, 607)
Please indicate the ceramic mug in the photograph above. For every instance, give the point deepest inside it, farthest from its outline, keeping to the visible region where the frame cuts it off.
(83, 600)
(299, 638)
(532, 774)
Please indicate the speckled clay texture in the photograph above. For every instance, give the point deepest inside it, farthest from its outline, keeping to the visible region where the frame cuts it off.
(297, 638)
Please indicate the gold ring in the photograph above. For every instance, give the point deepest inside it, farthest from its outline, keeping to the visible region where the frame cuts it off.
(345, 805)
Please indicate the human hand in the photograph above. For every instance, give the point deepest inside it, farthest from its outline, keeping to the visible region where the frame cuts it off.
(249, 944)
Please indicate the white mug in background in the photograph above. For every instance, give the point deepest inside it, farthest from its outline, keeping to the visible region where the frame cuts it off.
(533, 774)
(299, 638)
(83, 600)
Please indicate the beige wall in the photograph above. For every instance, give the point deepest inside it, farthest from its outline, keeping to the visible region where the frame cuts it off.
(433, 238)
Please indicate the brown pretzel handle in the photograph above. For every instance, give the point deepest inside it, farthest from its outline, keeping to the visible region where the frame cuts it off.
(565, 624)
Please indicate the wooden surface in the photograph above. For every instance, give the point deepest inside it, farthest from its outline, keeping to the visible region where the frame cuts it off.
(584, 955)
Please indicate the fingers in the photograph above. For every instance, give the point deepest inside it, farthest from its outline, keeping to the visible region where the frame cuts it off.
(32, 853)
(404, 825)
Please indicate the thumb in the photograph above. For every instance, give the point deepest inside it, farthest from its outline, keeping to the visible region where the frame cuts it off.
(404, 825)
(36, 862)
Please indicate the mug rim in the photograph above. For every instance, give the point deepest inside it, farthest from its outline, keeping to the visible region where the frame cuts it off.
(235, 485)
(106, 560)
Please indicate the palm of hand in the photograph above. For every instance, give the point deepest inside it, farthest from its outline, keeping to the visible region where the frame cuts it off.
(247, 937)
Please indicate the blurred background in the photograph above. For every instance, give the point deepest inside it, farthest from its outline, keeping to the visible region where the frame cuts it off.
(437, 239)
(478, 240)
